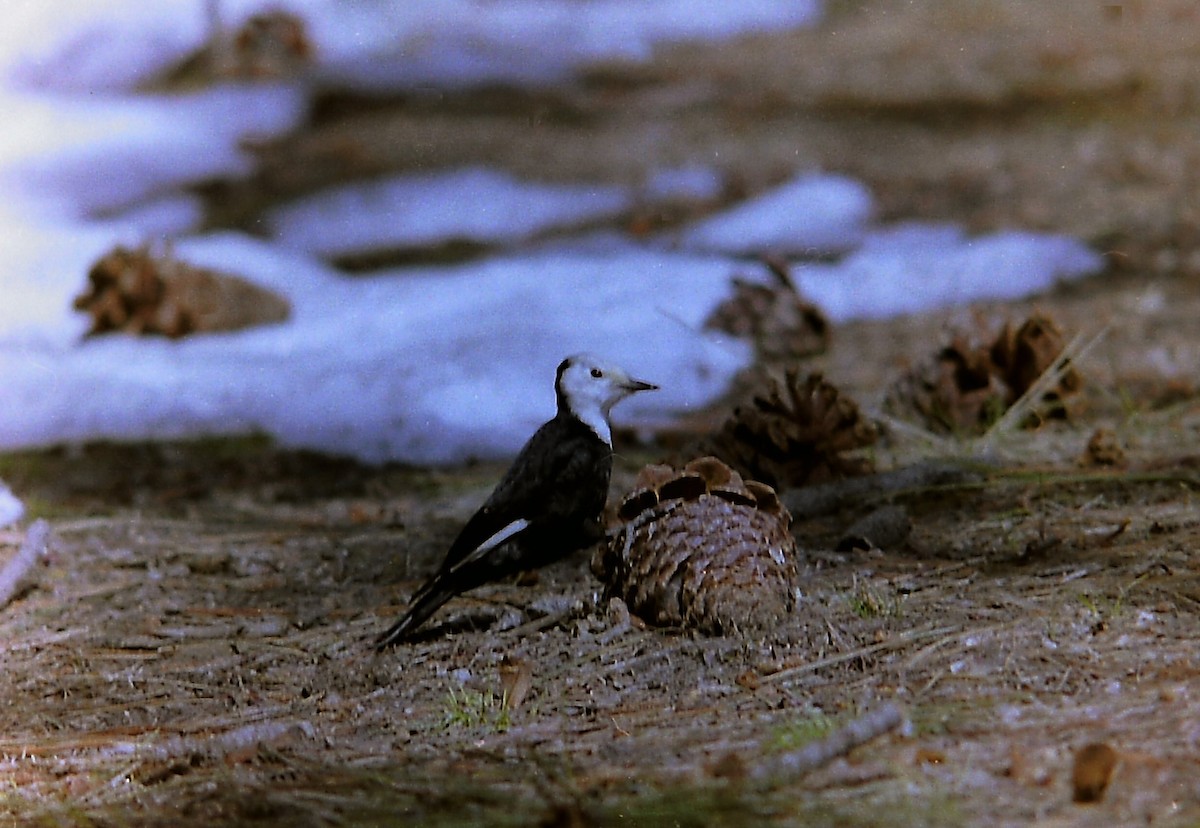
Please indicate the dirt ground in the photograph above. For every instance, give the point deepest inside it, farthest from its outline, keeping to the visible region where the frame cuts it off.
(196, 649)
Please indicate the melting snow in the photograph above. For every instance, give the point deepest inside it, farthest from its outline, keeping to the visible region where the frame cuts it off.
(914, 268)
(809, 215)
(11, 509)
(471, 204)
(428, 365)
(82, 45)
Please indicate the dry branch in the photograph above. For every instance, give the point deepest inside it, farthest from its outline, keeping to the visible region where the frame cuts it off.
(896, 642)
(826, 498)
(217, 745)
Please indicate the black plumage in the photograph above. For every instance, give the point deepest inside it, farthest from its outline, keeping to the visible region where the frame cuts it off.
(549, 502)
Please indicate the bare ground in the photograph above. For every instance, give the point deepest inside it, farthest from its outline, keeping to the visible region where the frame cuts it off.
(196, 649)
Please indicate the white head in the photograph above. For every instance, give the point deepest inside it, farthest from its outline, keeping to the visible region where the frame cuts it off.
(588, 388)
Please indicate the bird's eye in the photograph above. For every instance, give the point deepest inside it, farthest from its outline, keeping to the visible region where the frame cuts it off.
(597, 373)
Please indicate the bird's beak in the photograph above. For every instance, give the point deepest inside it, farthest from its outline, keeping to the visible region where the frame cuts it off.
(632, 386)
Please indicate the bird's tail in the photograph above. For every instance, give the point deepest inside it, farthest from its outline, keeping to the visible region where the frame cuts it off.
(424, 603)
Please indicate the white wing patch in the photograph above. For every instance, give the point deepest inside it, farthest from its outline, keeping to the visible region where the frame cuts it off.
(491, 543)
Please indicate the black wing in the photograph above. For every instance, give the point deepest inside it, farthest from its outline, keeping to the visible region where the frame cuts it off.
(557, 484)
(561, 475)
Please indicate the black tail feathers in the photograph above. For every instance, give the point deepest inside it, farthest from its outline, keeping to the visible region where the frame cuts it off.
(425, 603)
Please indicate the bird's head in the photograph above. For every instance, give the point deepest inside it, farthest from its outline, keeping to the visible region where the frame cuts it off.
(588, 388)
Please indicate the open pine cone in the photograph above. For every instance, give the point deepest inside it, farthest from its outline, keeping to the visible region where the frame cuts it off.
(137, 292)
(967, 385)
(795, 434)
(1024, 354)
(957, 391)
(271, 44)
(774, 317)
(700, 547)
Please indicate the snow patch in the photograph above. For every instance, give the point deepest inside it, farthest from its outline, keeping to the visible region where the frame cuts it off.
(421, 364)
(81, 45)
(916, 268)
(472, 204)
(71, 158)
(11, 509)
(812, 214)
(426, 366)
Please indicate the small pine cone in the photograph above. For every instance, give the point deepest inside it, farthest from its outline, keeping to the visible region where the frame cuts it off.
(271, 44)
(137, 292)
(776, 319)
(1104, 449)
(701, 548)
(797, 433)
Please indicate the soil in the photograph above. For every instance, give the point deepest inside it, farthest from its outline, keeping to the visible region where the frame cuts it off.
(196, 647)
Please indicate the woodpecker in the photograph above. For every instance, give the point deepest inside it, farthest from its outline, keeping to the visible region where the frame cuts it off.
(549, 502)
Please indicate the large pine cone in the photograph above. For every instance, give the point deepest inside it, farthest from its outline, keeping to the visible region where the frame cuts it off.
(701, 548)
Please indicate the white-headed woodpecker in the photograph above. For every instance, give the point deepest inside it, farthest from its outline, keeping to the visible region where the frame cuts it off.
(548, 504)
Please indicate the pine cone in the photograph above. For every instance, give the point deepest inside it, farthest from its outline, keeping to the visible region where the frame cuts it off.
(782, 326)
(700, 547)
(140, 293)
(796, 434)
(955, 392)
(1023, 355)
(271, 44)
(967, 386)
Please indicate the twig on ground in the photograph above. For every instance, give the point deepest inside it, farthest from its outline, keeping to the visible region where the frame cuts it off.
(894, 643)
(32, 549)
(1071, 355)
(859, 731)
(217, 745)
(825, 498)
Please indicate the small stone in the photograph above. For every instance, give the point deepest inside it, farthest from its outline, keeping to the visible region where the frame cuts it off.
(1094, 765)
(1104, 449)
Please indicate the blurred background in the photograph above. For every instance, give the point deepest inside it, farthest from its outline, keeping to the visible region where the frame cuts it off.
(374, 228)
